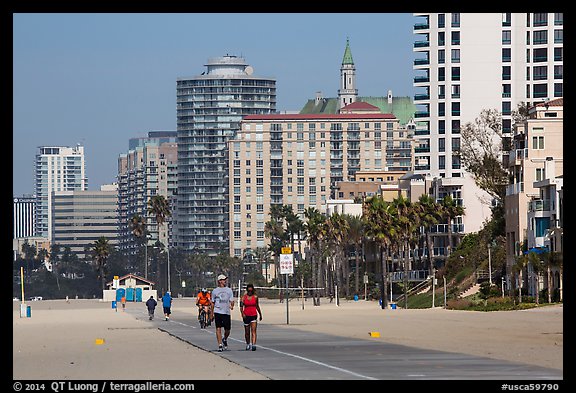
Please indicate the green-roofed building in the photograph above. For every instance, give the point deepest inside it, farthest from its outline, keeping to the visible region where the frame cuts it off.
(401, 107)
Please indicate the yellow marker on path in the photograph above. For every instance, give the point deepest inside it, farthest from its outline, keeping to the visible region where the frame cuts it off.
(374, 334)
(99, 341)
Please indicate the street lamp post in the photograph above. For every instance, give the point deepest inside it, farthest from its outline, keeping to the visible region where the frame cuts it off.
(168, 255)
(146, 256)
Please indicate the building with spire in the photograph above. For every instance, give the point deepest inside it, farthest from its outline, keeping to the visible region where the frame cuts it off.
(402, 108)
(347, 94)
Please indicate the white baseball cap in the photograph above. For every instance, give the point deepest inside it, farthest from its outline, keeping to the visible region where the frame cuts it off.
(222, 277)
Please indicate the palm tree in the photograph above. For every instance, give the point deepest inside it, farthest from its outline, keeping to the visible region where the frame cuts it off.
(517, 268)
(377, 216)
(159, 208)
(262, 255)
(138, 226)
(315, 230)
(429, 216)
(337, 229)
(55, 262)
(101, 252)
(537, 267)
(450, 210)
(355, 237)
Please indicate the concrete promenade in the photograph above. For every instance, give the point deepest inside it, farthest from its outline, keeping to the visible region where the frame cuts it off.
(326, 342)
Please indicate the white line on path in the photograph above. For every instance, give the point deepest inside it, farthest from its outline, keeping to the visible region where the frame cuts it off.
(289, 354)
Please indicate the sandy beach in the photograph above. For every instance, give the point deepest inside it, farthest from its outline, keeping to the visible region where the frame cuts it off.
(59, 340)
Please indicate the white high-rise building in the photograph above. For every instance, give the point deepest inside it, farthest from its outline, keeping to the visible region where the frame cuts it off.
(473, 61)
(57, 169)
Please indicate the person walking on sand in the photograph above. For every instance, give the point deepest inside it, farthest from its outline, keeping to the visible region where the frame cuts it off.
(250, 310)
(123, 301)
(222, 302)
(151, 306)
(167, 303)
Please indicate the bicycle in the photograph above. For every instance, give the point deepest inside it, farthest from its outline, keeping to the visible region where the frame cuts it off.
(203, 318)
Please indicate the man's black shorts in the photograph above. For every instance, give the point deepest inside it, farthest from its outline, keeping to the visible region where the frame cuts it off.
(167, 310)
(223, 320)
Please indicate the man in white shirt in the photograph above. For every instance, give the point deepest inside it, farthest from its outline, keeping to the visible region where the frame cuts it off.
(222, 303)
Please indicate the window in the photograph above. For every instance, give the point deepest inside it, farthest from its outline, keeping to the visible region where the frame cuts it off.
(527, 73)
(442, 162)
(558, 54)
(527, 55)
(528, 20)
(455, 126)
(540, 19)
(558, 19)
(441, 56)
(441, 109)
(540, 73)
(441, 20)
(539, 174)
(527, 91)
(540, 37)
(455, 91)
(389, 126)
(455, 162)
(441, 91)
(538, 142)
(527, 38)
(506, 19)
(441, 126)
(441, 73)
(455, 55)
(455, 38)
(455, 109)
(506, 55)
(455, 20)
(506, 72)
(506, 108)
(506, 90)
(506, 37)
(455, 144)
(455, 73)
(506, 125)
(558, 36)
(558, 90)
(540, 90)
(441, 38)
(441, 144)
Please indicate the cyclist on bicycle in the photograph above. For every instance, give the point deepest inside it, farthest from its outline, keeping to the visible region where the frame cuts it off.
(203, 303)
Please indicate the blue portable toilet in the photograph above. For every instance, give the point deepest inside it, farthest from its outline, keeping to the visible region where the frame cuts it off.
(120, 293)
(138, 294)
(130, 294)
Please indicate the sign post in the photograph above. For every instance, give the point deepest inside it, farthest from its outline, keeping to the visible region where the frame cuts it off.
(365, 286)
(286, 268)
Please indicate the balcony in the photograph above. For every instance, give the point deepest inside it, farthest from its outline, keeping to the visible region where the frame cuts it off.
(422, 167)
(420, 97)
(506, 95)
(422, 149)
(421, 62)
(513, 189)
(422, 132)
(421, 44)
(421, 79)
(539, 205)
(538, 94)
(421, 26)
(422, 114)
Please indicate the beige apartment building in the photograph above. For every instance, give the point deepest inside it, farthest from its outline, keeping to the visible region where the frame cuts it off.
(536, 155)
(369, 183)
(298, 160)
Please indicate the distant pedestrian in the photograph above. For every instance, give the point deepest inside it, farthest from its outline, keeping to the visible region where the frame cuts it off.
(222, 303)
(167, 303)
(250, 310)
(123, 301)
(151, 306)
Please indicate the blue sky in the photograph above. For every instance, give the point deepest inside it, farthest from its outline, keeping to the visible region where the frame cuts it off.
(100, 79)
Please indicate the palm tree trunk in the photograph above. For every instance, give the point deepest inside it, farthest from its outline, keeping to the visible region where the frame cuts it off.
(430, 252)
(549, 285)
(406, 257)
(357, 273)
(449, 236)
(384, 290)
(520, 287)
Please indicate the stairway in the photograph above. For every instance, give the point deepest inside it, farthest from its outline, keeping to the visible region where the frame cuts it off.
(470, 291)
